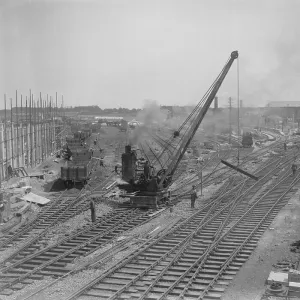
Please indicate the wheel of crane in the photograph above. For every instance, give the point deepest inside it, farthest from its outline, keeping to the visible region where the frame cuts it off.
(161, 172)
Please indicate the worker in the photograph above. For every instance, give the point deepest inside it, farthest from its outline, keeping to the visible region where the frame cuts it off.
(294, 169)
(116, 169)
(147, 170)
(152, 186)
(169, 198)
(9, 171)
(152, 171)
(68, 153)
(95, 142)
(93, 212)
(2, 207)
(101, 162)
(284, 146)
(193, 196)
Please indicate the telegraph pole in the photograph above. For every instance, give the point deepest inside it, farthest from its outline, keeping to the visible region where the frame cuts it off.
(238, 154)
(230, 127)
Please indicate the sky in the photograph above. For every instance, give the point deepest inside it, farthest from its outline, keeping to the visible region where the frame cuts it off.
(117, 53)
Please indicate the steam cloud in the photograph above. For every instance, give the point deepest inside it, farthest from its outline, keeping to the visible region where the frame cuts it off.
(151, 114)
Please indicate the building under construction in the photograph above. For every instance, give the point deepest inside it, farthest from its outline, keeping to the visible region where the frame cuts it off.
(30, 131)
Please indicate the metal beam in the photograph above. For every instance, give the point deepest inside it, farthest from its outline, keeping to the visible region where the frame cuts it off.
(239, 170)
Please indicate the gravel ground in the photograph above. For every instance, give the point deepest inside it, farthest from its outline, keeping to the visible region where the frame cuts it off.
(273, 247)
(15, 246)
(60, 231)
(65, 287)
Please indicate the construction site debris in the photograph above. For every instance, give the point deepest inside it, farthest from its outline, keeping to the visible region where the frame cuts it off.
(278, 277)
(295, 247)
(31, 197)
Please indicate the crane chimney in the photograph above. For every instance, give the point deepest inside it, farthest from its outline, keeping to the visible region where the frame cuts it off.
(216, 103)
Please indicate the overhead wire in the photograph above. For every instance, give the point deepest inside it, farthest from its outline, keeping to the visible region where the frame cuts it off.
(193, 113)
(238, 100)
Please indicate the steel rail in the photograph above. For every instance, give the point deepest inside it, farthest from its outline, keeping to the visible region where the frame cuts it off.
(125, 262)
(231, 205)
(210, 248)
(58, 218)
(107, 218)
(63, 255)
(226, 263)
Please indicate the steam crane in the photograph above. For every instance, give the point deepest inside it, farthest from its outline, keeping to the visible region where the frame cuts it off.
(148, 192)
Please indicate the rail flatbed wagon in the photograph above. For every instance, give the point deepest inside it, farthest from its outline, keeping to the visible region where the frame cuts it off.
(247, 140)
(74, 143)
(79, 169)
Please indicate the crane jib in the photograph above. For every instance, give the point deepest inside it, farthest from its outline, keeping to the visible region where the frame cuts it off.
(198, 119)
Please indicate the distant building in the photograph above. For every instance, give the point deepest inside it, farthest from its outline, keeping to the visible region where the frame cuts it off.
(90, 108)
(284, 104)
(108, 118)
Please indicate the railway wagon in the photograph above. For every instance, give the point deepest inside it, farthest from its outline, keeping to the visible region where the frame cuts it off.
(87, 132)
(78, 170)
(74, 143)
(247, 140)
(95, 127)
(79, 135)
(81, 155)
(208, 145)
(74, 172)
(123, 125)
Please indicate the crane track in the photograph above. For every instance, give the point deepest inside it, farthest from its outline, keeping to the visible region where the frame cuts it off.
(224, 233)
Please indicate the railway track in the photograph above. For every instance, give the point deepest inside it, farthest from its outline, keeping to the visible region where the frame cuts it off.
(209, 179)
(219, 173)
(31, 264)
(60, 210)
(198, 258)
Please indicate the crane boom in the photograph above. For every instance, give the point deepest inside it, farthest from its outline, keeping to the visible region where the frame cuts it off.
(197, 121)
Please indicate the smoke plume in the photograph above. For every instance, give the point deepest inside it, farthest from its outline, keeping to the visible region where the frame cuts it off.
(151, 114)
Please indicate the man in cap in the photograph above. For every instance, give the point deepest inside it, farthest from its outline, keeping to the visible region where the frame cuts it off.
(147, 170)
(193, 196)
(294, 169)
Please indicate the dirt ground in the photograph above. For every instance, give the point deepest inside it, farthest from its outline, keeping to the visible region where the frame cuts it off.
(273, 247)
